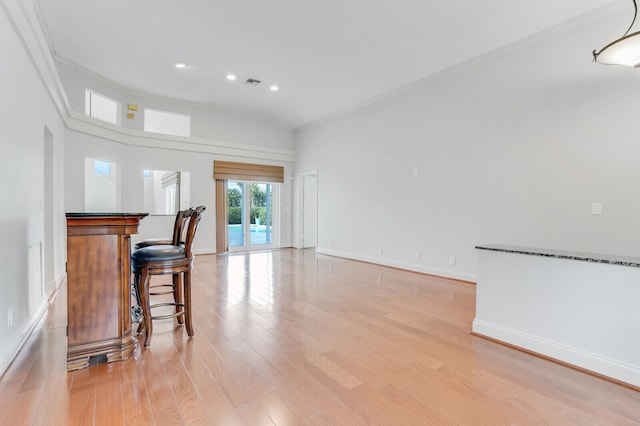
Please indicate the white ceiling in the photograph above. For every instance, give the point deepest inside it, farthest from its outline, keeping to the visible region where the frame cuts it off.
(325, 55)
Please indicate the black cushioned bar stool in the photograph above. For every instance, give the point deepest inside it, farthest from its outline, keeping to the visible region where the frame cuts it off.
(165, 259)
(178, 238)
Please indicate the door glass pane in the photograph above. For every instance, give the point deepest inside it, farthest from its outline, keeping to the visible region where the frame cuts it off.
(235, 207)
(261, 214)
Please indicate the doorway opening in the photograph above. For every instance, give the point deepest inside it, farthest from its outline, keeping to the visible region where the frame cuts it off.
(250, 215)
(308, 210)
(247, 200)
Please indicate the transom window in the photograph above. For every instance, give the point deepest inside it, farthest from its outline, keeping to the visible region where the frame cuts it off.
(167, 123)
(100, 107)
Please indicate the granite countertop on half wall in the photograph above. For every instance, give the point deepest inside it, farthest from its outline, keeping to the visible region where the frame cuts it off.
(564, 254)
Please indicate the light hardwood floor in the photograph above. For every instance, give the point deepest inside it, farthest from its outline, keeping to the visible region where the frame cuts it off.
(290, 337)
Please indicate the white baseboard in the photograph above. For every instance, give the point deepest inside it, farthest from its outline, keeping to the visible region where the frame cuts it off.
(23, 335)
(206, 250)
(593, 362)
(20, 338)
(211, 250)
(60, 279)
(447, 273)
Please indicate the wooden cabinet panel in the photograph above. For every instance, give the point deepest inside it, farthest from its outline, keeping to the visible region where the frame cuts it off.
(98, 286)
(93, 298)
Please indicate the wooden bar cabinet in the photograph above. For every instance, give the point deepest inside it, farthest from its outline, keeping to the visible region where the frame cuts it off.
(99, 286)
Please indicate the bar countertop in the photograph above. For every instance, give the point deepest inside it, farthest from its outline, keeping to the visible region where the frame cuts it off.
(564, 254)
(104, 214)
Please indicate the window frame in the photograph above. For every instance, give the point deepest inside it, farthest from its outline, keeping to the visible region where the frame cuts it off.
(146, 123)
(90, 95)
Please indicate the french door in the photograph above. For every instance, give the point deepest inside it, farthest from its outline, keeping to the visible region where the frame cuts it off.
(250, 215)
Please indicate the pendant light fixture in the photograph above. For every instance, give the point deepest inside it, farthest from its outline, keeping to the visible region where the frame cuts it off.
(623, 51)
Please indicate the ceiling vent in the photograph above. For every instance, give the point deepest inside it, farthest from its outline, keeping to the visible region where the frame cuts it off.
(252, 82)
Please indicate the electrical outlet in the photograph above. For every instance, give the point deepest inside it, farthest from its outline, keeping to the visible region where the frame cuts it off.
(452, 260)
(418, 255)
(9, 317)
(380, 250)
(596, 209)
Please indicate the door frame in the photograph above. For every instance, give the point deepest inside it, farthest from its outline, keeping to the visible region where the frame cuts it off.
(275, 217)
(300, 207)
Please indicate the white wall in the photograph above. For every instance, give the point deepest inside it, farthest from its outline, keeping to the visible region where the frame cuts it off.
(512, 149)
(26, 108)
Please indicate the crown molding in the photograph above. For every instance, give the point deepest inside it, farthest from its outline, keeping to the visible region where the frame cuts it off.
(90, 126)
(29, 30)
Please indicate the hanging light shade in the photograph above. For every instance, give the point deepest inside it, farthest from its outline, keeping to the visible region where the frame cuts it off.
(623, 51)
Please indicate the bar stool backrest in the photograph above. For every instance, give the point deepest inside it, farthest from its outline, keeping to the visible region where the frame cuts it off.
(179, 227)
(194, 216)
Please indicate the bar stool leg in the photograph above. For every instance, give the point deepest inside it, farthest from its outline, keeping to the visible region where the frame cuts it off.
(146, 305)
(187, 302)
(177, 296)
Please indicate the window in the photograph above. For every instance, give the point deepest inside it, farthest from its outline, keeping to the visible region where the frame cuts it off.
(102, 167)
(100, 107)
(100, 186)
(167, 123)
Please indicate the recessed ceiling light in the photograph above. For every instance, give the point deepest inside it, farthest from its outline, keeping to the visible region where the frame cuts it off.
(231, 77)
(274, 88)
(181, 65)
